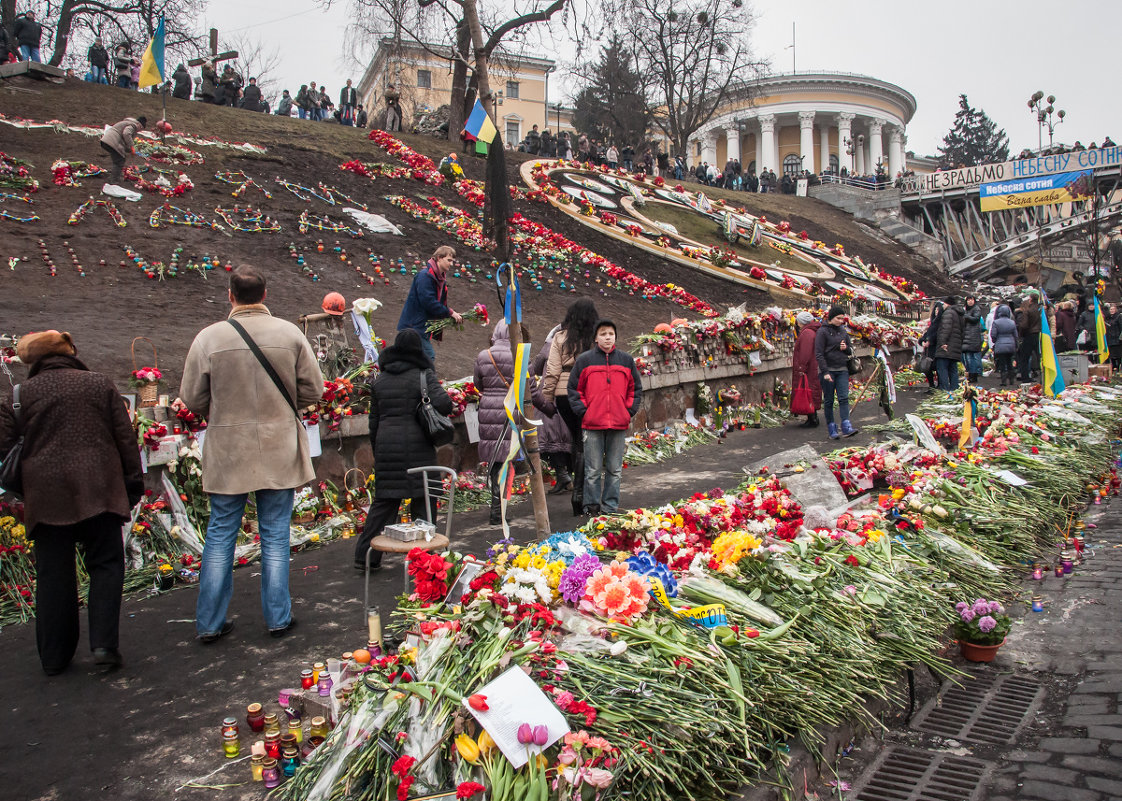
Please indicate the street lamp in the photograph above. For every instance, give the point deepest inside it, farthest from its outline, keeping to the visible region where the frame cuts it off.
(1043, 108)
(557, 107)
(496, 101)
(852, 145)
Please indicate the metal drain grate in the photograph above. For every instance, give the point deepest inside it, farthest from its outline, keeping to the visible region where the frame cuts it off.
(904, 774)
(988, 710)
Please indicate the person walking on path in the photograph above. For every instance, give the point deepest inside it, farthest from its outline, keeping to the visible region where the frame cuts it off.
(348, 99)
(804, 365)
(554, 440)
(577, 334)
(255, 442)
(397, 439)
(948, 344)
(99, 62)
(182, 78)
(81, 477)
(605, 390)
(832, 350)
(972, 339)
(118, 142)
(428, 298)
(1003, 336)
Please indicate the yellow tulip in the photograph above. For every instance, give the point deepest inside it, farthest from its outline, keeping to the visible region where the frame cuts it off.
(486, 744)
(467, 748)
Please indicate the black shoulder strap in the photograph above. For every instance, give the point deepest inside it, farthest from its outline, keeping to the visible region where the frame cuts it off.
(266, 364)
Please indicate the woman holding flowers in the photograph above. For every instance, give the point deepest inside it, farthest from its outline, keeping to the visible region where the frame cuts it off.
(81, 477)
(397, 438)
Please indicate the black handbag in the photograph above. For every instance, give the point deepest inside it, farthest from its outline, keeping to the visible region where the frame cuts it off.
(853, 365)
(437, 427)
(11, 477)
(924, 364)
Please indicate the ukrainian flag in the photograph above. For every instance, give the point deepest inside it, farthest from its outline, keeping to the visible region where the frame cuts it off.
(479, 125)
(1052, 378)
(1100, 333)
(152, 65)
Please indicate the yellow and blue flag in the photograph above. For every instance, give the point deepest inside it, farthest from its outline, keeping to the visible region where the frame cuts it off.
(1052, 377)
(479, 125)
(1100, 333)
(152, 65)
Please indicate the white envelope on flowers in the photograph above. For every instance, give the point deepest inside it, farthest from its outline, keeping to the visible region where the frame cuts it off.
(513, 699)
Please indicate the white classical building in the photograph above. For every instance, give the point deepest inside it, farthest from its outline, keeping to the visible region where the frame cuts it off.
(816, 121)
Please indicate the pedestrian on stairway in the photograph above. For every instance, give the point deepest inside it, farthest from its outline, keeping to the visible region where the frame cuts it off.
(81, 477)
(948, 344)
(249, 375)
(832, 351)
(972, 339)
(804, 365)
(577, 334)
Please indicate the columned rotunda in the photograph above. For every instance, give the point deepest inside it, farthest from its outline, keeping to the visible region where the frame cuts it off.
(810, 120)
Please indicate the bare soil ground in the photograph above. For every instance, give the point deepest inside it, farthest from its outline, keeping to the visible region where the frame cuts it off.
(113, 303)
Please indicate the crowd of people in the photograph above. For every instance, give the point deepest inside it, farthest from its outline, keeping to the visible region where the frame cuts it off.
(1056, 150)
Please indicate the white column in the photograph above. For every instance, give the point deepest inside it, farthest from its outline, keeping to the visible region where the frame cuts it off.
(759, 151)
(732, 143)
(806, 139)
(903, 150)
(894, 150)
(876, 145)
(859, 146)
(770, 156)
(709, 147)
(845, 122)
(824, 133)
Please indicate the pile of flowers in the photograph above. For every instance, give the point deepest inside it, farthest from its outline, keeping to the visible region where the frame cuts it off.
(788, 621)
(67, 173)
(161, 186)
(423, 168)
(15, 174)
(462, 393)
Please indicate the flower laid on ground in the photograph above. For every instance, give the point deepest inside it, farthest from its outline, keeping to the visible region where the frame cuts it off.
(616, 592)
(982, 622)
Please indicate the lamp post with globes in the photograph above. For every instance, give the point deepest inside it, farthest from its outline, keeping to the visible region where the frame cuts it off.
(1043, 108)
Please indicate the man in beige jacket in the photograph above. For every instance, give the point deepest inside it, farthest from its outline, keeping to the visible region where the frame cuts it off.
(255, 442)
(118, 142)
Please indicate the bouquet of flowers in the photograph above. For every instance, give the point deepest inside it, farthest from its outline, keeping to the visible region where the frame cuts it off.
(982, 622)
(144, 377)
(478, 313)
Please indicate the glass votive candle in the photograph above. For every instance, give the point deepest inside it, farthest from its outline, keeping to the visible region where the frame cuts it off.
(296, 729)
(317, 731)
(1037, 604)
(230, 745)
(290, 760)
(374, 627)
(255, 717)
(317, 669)
(306, 679)
(1059, 571)
(229, 725)
(1038, 572)
(256, 763)
(324, 684)
(270, 774)
(272, 746)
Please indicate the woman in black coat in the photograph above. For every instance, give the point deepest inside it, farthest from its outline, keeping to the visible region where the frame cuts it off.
(396, 437)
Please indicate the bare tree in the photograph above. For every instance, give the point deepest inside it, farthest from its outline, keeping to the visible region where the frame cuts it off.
(255, 61)
(694, 56)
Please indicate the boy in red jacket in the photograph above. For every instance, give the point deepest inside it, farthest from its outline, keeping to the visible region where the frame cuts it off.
(604, 391)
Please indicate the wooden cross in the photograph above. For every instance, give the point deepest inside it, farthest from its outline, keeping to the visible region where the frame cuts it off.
(214, 56)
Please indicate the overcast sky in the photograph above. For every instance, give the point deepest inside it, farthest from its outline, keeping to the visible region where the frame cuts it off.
(997, 52)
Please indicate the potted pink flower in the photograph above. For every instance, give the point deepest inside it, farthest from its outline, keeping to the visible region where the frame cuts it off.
(981, 629)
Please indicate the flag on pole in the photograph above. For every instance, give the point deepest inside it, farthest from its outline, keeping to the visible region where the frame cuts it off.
(1100, 333)
(479, 125)
(1052, 378)
(152, 65)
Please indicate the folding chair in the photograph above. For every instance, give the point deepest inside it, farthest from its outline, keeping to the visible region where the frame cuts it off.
(435, 495)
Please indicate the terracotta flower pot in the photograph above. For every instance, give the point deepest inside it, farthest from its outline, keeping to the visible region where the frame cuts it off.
(979, 653)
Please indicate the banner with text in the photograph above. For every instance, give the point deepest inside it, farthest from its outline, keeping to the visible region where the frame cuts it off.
(971, 177)
(1047, 189)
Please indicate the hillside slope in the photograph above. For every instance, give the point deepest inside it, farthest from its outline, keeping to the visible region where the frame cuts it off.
(114, 301)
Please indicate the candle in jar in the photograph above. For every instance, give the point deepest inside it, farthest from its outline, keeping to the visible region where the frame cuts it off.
(256, 763)
(230, 746)
(270, 774)
(374, 626)
(1037, 604)
(307, 678)
(255, 717)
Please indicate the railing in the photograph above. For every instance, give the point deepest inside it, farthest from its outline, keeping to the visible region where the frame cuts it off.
(856, 183)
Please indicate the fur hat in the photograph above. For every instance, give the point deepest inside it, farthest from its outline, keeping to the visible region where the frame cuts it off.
(33, 347)
(804, 318)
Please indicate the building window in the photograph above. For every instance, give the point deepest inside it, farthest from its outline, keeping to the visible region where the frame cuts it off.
(512, 90)
(513, 132)
(834, 163)
(751, 167)
(792, 165)
(424, 79)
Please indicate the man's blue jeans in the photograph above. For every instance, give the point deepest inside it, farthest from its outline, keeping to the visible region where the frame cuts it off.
(29, 53)
(947, 370)
(216, 577)
(837, 388)
(98, 75)
(603, 467)
(427, 347)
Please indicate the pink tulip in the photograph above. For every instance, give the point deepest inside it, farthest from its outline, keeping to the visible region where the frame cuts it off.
(525, 734)
(541, 735)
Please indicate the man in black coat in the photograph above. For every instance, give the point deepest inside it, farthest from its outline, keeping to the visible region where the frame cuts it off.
(251, 96)
(396, 437)
(182, 80)
(948, 344)
(99, 62)
(27, 33)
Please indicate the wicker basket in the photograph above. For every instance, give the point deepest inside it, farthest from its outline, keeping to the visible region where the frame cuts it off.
(149, 393)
